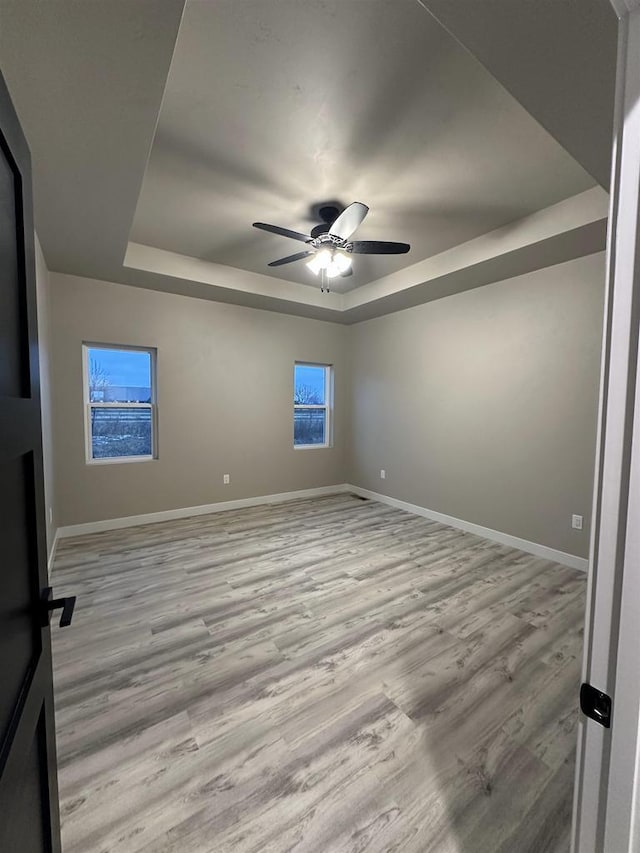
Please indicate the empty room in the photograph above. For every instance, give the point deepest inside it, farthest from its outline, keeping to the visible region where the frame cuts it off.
(326, 550)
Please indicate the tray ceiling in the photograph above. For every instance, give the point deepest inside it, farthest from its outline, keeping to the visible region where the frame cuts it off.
(156, 146)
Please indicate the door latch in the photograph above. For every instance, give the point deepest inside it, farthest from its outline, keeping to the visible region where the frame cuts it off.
(596, 705)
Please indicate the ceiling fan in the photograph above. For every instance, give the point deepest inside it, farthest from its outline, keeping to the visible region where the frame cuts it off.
(330, 248)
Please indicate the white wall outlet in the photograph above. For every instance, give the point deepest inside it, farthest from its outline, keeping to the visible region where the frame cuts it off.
(226, 479)
(50, 515)
(383, 474)
(576, 522)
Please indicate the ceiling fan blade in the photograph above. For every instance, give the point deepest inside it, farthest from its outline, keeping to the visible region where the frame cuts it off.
(283, 232)
(291, 258)
(348, 221)
(378, 247)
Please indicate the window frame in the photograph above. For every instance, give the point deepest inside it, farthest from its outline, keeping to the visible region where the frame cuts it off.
(327, 406)
(88, 405)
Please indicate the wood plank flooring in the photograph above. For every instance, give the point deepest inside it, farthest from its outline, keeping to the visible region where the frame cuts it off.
(321, 676)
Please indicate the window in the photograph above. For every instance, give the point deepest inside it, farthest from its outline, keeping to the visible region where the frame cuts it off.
(120, 403)
(311, 405)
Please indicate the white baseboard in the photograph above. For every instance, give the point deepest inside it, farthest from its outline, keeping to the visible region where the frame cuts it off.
(222, 506)
(543, 551)
(186, 512)
(52, 552)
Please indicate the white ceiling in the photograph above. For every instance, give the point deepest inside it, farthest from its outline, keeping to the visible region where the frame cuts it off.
(557, 58)
(271, 107)
(257, 109)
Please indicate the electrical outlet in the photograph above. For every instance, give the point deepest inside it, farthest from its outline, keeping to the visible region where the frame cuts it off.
(226, 479)
(383, 474)
(50, 515)
(576, 522)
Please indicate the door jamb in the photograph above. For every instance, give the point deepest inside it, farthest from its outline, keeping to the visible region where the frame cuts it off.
(608, 761)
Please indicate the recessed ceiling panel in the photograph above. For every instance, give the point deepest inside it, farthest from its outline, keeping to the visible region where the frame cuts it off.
(273, 106)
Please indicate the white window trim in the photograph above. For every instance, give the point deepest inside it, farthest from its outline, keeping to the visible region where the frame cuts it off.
(327, 407)
(88, 405)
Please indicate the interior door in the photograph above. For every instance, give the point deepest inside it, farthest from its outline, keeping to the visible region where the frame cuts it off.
(29, 820)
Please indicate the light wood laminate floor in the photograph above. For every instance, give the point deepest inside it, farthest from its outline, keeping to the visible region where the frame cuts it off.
(325, 675)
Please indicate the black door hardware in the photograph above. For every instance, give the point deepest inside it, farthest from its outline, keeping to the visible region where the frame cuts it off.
(596, 705)
(67, 604)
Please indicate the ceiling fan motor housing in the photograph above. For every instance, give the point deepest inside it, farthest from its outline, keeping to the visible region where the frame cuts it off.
(318, 230)
(327, 240)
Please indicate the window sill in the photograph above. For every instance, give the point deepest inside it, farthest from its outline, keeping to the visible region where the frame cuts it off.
(118, 460)
(312, 446)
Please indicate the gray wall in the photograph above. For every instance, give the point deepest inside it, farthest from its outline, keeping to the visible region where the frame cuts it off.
(44, 356)
(483, 405)
(225, 400)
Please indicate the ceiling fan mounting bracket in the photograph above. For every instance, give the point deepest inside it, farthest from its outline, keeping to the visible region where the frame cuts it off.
(328, 213)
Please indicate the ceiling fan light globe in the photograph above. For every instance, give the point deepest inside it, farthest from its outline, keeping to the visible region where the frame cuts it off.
(332, 270)
(319, 261)
(341, 261)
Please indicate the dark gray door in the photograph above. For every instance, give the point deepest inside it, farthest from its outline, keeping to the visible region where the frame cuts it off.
(29, 819)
